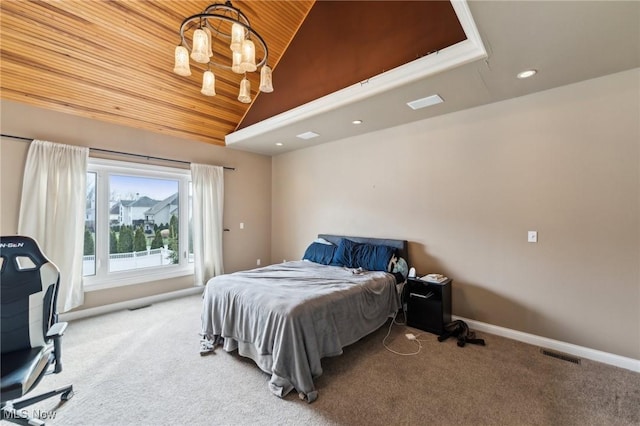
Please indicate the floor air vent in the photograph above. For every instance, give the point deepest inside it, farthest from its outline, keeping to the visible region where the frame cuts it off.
(139, 307)
(561, 356)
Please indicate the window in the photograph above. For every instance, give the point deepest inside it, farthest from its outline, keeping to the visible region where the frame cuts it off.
(136, 223)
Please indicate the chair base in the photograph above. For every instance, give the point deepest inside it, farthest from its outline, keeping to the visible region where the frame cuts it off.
(11, 410)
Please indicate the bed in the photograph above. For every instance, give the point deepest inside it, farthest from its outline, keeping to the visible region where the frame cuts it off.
(288, 316)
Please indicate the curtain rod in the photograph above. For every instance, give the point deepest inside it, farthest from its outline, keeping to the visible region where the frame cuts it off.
(148, 157)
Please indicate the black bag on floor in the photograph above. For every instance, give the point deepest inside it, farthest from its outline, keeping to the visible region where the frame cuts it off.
(460, 330)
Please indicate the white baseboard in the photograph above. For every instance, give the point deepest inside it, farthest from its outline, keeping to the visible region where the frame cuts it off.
(544, 342)
(129, 304)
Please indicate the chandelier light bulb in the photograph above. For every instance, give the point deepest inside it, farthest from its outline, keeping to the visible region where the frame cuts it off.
(208, 84)
(245, 91)
(200, 51)
(266, 82)
(181, 66)
(248, 56)
(237, 37)
(236, 65)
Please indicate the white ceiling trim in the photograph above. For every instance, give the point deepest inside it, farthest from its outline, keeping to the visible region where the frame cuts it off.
(459, 54)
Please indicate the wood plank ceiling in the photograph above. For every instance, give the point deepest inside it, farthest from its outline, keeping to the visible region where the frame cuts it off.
(113, 60)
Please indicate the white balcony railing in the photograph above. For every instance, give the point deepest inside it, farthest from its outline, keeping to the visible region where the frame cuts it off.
(129, 261)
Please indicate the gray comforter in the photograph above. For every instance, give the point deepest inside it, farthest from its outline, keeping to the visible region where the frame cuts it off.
(288, 316)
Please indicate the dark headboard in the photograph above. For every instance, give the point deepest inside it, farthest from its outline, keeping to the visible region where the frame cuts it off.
(400, 245)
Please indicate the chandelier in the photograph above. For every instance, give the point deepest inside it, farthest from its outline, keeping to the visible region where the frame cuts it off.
(222, 32)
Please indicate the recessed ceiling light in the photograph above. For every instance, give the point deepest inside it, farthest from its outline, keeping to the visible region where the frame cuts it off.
(279, 144)
(527, 73)
(307, 135)
(425, 102)
(356, 122)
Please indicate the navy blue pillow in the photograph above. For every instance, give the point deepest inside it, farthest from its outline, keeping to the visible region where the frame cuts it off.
(344, 255)
(374, 257)
(363, 255)
(319, 253)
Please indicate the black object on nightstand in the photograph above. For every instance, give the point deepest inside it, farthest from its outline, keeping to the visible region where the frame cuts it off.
(428, 304)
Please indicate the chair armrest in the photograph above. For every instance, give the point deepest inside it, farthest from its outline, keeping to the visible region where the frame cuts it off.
(57, 329)
(55, 332)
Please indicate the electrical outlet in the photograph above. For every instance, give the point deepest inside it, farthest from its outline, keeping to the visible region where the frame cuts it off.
(258, 262)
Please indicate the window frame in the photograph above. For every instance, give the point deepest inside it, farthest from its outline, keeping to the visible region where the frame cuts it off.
(103, 279)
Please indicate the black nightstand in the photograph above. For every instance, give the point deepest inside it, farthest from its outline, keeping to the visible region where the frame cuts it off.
(428, 304)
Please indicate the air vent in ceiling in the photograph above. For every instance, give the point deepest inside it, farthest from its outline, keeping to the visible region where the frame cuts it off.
(425, 102)
(307, 135)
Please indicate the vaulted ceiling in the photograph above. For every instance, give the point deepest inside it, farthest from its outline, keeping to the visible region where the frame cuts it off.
(113, 61)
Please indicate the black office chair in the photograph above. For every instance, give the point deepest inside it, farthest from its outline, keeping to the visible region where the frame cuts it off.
(31, 333)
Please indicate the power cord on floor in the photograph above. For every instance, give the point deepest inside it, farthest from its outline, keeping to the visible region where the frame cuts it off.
(409, 336)
(404, 315)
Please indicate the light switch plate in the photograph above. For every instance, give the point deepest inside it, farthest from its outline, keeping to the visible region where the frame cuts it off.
(532, 236)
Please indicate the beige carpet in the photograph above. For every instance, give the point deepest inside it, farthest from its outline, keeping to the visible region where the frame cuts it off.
(142, 367)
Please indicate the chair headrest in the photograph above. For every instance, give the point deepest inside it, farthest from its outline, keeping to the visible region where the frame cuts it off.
(15, 246)
(23, 268)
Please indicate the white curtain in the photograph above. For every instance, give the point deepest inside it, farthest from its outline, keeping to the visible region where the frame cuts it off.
(208, 201)
(52, 211)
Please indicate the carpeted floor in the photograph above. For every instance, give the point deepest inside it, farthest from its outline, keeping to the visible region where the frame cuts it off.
(142, 367)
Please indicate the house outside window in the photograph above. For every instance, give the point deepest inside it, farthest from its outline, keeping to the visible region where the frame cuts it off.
(136, 223)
